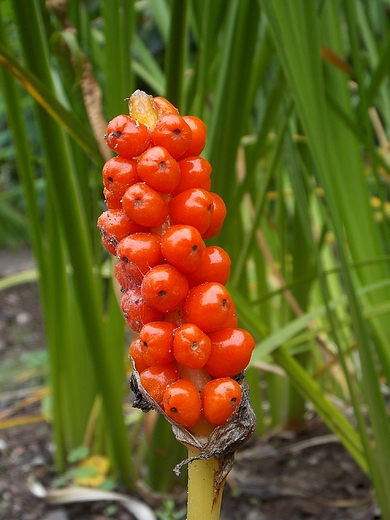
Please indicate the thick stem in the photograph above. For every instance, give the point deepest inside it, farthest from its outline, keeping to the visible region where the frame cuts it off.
(204, 496)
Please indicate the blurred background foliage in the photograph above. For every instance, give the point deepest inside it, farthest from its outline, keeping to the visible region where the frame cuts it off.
(295, 96)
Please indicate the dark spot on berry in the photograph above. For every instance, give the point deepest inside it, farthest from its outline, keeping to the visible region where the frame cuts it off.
(161, 294)
(233, 401)
(194, 248)
(162, 166)
(137, 203)
(173, 409)
(177, 131)
(125, 259)
(116, 134)
(194, 345)
(145, 344)
(110, 179)
(224, 303)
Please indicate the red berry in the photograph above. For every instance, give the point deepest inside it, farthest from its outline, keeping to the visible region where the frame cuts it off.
(155, 380)
(231, 351)
(157, 342)
(114, 225)
(198, 138)
(141, 249)
(214, 267)
(164, 287)
(183, 247)
(175, 316)
(220, 397)
(195, 173)
(118, 174)
(127, 137)
(111, 200)
(173, 133)
(136, 311)
(136, 355)
(217, 217)
(191, 346)
(232, 320)
(207, 306)
(164, 106)
(181, 402)
(199, 376)
(144, 205)
(159, 169)
(127, 275)
(192, 207)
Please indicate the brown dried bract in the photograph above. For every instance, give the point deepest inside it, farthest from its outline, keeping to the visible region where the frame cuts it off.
(224, 440)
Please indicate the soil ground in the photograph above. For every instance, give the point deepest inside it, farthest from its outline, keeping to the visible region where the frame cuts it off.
(303, 475)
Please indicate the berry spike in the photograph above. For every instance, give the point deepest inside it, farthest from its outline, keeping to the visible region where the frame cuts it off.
(188, 355)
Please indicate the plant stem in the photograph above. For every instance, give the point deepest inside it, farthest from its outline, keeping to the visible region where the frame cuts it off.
(204, 495)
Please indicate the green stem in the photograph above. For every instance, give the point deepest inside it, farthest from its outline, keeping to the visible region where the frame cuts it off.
(204, 499)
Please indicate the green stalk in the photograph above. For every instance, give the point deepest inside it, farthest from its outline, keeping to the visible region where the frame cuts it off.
(204, 497)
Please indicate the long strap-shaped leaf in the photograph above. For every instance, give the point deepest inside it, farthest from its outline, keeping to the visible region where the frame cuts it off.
(295, 27)
(70, 212)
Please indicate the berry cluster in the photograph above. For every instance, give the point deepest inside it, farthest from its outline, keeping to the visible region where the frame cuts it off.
(159, 212)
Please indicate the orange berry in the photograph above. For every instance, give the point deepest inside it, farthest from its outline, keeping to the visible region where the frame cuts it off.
(231, 351)
(192, 207)
(207, 306)
(214, 267)
(220, 397)
(173, 133)
(111, 200)
(191, 346)
(157, 342)
(198, 138)
(136, 311)
(155, 380)
(164, 287)
(217, 217)
(164, 106)
(114, 225)
(127, 275)
(119, 174)
(175, 316)
(141, 249)
(181, 402)
(195, 173)
(144, 205)
(127, 137)
(232, 319)
(183, 247)
(159, 169)
(136, 355)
